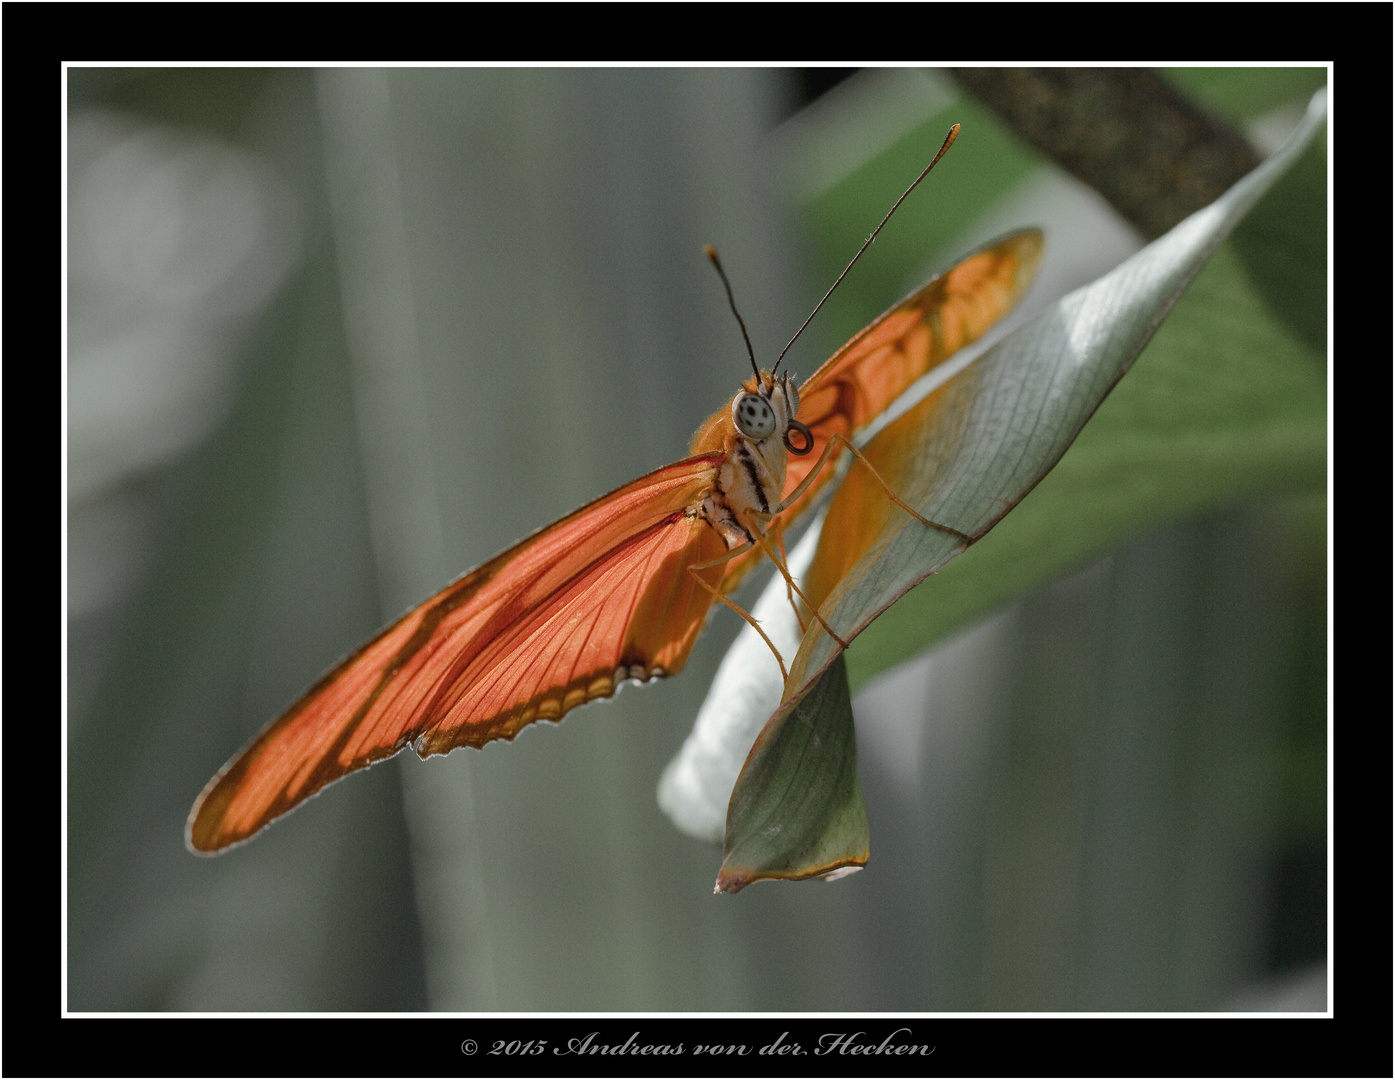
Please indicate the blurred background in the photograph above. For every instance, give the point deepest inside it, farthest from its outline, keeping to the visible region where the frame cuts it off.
(337, 336)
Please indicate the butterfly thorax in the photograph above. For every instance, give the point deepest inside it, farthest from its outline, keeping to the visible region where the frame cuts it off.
(754, 441)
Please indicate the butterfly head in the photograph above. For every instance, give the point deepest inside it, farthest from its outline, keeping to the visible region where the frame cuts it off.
(766, 407)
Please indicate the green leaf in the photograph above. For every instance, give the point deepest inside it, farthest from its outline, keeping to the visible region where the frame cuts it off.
(1233, 397)
(1241, 404)
(801, 813)
(1229, 396)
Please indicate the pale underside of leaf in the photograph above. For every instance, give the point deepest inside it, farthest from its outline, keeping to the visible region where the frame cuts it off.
(974, 448)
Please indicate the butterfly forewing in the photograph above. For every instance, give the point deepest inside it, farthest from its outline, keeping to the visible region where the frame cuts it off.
(557, 620)
(873, 369)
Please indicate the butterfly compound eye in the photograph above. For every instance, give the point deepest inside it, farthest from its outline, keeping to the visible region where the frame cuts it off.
(753, 416)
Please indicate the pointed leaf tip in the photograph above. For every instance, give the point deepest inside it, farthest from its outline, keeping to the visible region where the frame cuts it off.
(797, 811)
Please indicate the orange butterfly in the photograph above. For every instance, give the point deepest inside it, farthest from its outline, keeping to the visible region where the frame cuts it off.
(616, 591)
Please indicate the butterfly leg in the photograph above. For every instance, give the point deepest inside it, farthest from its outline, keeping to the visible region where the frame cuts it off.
(778, 532)
(763, 542)
(895, 499)
(823, 459)
(794, 495)
(784, 674)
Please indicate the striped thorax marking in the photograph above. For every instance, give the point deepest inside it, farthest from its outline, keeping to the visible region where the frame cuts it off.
(751, 480)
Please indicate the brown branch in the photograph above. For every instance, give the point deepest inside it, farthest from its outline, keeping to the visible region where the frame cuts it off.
(1129, 134)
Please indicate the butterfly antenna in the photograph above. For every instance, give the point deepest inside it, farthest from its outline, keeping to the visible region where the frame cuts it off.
(711, 253)
(949, 140)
